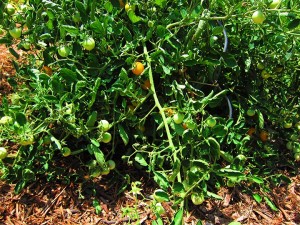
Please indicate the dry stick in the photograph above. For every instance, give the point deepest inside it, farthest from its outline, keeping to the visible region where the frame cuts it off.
(47, 208)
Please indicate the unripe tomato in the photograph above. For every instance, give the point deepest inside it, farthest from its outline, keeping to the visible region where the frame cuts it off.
(66, 151)
(63, 51)
(211, 122)
(178, 118)
(297, 156)
(287, 125)
(105, 171)
(89, 43)
(3, 153)
(16, 32)
(106, 137)
(265, 74)
(47, 140)
(275, 4)
(27, 141)
(289, 145)
(76, 17)
(104, 125)
(264, 136)
(26, 45)
(129, 7)
(260, 66)
(111, 164)
(197, 198)
(138, 68)
(10, 9)
(251, 112)
(258, 17)
(150, 23)
(6, 120)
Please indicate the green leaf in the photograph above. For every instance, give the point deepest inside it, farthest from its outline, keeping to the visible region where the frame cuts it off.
(69, 75)
(161, 196)
(160, 3)
(161, 180)
(21, 119)
(99, 156)
(213, 195)
(217, 30)
(257, 180)
(270, 204)
(178, 218)
(134, 18)
(108, 6)
(293, 24)
(229, 60)
(123, 134)
(235, 223)
(97, 206)
(14, 53)
(257, 198)
(261, 120)
(220, 130)
(71, 30)
(140, 159)
(92, 119)
(94, 92)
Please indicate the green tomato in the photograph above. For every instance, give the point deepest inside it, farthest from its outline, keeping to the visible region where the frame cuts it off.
(6, 120)
(111, 164)
(89, 43)
(47, 140)
(104, 125)
(275, 4)
(287, 125)
(63, 51)
(211, 122)
(265, 74)
(106, 137)
(260, 66)
(3, 153)
(258, 17)
(150, 23)
(297, 125)
(289, 145)
(10, 9)
(26, 45)
(76, 17)
(178, 118)
(66, 151)
(105, 171)
(15, 32)
(251, 112)
(297, 156)
(27, 141)
(95, 172)
(197, 198)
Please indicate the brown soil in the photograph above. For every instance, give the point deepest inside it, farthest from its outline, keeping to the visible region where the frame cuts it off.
(56, 203)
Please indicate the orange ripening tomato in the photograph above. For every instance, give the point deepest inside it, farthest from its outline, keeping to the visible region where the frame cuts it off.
(264, 136)
(47, 70)
(251, 131)
(138, 68)
(146, 85)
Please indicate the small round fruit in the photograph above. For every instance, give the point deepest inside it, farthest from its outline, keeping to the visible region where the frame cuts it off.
(3, 153)
(211, 122)
(15, 32)
(197, 198)
(111, 164)
(106, 137)
(105, 171)
(76, 17)
(146, 85)
(89, 43)
(289, 145)
(264, 136)
(66, 151)
(251, 131)
(260, 66)
(10, 9)
(104, 125)
(47, 140)
(63, 51)
(275, 4)
(258, 17)
(297, 157)
(150, 23)
(6, 120)
(287, 125)
(27, 141)
(251, 112)
(127, 7)
(265, 74)
(138, 68)
(178, 118)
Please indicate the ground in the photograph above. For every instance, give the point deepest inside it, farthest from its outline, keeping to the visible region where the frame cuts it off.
(57, 203)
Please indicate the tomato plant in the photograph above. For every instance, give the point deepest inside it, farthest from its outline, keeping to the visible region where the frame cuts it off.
(63, 51)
